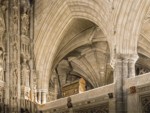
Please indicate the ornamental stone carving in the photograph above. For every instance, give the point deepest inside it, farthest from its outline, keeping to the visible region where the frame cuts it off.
(2, 24)
(145, 101)
(15, 24)
(1, 95)
(98, 109)
(25, 73)
(1, 65)
(14, 90)
(141, 70)
(25, 21)
(15, 18)
(15, 52)
(15, 78)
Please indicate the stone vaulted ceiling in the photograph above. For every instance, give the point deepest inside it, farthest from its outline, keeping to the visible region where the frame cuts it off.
(88, 52)
(144, 39)
(119, 20)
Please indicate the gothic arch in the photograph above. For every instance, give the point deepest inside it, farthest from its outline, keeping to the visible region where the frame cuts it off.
(49, 39)
(144, 40)
(128, 25)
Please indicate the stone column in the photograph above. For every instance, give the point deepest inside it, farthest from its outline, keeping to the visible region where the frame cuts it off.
(119, 86)
(132, 61)
(7, 77)
(56, 87)
(39, 97)
(43, 97)
(102, 74)
(32, 82)
(125, 76)
(125, 67)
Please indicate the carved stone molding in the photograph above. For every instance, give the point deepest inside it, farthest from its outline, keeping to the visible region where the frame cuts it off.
(143, 89)
(145, 103)
(103, 108)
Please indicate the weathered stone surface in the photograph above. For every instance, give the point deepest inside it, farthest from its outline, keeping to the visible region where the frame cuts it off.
(46, 45)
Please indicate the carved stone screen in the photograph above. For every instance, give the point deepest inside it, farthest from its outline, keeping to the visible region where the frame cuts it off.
(145, 102)
(103, 108)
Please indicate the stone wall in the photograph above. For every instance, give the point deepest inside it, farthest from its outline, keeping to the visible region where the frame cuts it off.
(16, 56)
(138, 98)
(94, 98)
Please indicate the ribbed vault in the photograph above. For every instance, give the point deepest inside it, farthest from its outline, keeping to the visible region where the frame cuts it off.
(54, 25)
(143, 62)
(119, 20)
(144, 39)
(88, 53)
(128, 25)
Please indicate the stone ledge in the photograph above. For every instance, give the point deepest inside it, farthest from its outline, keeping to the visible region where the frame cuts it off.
(101, 92)
(138, 80)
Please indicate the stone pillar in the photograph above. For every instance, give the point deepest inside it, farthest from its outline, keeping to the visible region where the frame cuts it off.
(102, 74)
(7, 64)
(125, 76)
(119, 86)
(39, 97)
(132, 61)
(56, 87)
(14, 55)
(125, 67)
(43, 97)
(32, 82)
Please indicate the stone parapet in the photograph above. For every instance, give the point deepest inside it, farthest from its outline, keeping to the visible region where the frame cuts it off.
(96, 95)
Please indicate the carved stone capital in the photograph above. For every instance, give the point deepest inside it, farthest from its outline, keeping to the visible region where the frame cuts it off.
(42, 90)
(133, 58)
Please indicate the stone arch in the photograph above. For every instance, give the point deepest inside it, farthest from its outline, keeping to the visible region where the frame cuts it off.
(128, 25)
(49, 40)
(142, 64)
